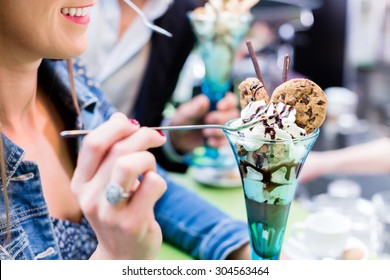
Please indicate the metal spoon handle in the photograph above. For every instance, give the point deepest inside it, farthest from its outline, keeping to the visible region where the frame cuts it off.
(76, 133)
(146, 21)
(190, 127)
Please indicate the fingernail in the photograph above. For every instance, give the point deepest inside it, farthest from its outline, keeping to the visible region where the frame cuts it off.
(161, 133)
(134, 121)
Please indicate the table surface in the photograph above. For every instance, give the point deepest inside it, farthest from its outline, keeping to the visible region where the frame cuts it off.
(229, 200)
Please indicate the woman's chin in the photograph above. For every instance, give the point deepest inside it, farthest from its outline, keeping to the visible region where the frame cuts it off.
(72, 52)
(73, 47)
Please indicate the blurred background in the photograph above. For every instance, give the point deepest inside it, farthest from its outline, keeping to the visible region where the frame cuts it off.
(342, 45)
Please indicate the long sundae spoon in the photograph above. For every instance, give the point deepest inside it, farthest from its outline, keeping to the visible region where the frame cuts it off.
(76, 133)
(146, 21)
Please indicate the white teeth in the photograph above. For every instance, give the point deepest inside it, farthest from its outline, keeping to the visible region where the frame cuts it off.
(72, 12)
(78, 12)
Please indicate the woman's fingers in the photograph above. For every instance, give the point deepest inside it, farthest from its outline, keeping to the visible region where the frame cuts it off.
(96, 144)
(141, 140)
(130, 231)
(226, 110)
(152, 187)
(127, 169)
(191, 112)
(125, 173)
(229, 101)
(111, 140)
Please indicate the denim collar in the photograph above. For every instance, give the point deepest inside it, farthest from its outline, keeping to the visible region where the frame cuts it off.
(56, 72)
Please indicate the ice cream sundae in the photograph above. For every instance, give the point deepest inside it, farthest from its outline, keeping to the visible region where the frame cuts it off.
(220, 27)
(271, 153)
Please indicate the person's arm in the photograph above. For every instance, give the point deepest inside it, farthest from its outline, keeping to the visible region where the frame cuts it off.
(197, 227)
(363, 159)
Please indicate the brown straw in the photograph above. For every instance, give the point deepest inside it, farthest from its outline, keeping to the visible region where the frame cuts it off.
(286, 67)
(252, 54)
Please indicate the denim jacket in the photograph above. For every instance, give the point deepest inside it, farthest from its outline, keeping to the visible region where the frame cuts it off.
(186, 220)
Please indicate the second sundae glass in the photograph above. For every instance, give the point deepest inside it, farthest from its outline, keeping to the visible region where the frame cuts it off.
(269, 171)
(219, 35)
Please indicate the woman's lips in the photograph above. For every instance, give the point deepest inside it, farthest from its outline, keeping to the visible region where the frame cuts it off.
(79, 15)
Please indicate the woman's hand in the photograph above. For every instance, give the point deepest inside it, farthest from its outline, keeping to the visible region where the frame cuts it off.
(116, 152)
(196, 111)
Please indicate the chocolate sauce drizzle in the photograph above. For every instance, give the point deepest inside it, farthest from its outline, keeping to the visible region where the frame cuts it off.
(284, 113)
(269, 186)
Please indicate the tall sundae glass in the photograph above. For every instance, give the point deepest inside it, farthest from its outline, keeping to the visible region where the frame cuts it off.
(219, 34)
(269, 170)
(271, 153)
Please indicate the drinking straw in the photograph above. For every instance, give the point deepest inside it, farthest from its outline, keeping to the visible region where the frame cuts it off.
(286, 67)
(256, 65)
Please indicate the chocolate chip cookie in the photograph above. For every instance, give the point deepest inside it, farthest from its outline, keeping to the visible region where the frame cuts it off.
(252, 89)
(307, 98)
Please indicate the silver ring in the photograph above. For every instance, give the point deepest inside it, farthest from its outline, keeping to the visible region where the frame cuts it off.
(115, 194)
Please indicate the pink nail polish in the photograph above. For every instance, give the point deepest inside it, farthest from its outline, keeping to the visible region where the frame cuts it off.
(161, 133)
(134, 121)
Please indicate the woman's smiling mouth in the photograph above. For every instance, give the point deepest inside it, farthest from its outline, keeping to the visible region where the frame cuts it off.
(79, 15)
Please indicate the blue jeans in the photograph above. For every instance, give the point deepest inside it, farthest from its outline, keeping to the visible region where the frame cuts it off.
(195, 226)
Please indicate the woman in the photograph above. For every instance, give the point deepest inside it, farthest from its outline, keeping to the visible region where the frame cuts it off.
(31, 121)
(66, 209)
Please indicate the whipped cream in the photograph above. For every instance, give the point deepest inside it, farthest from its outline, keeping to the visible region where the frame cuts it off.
(229, 6)
(224, 12)
(275, 121)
